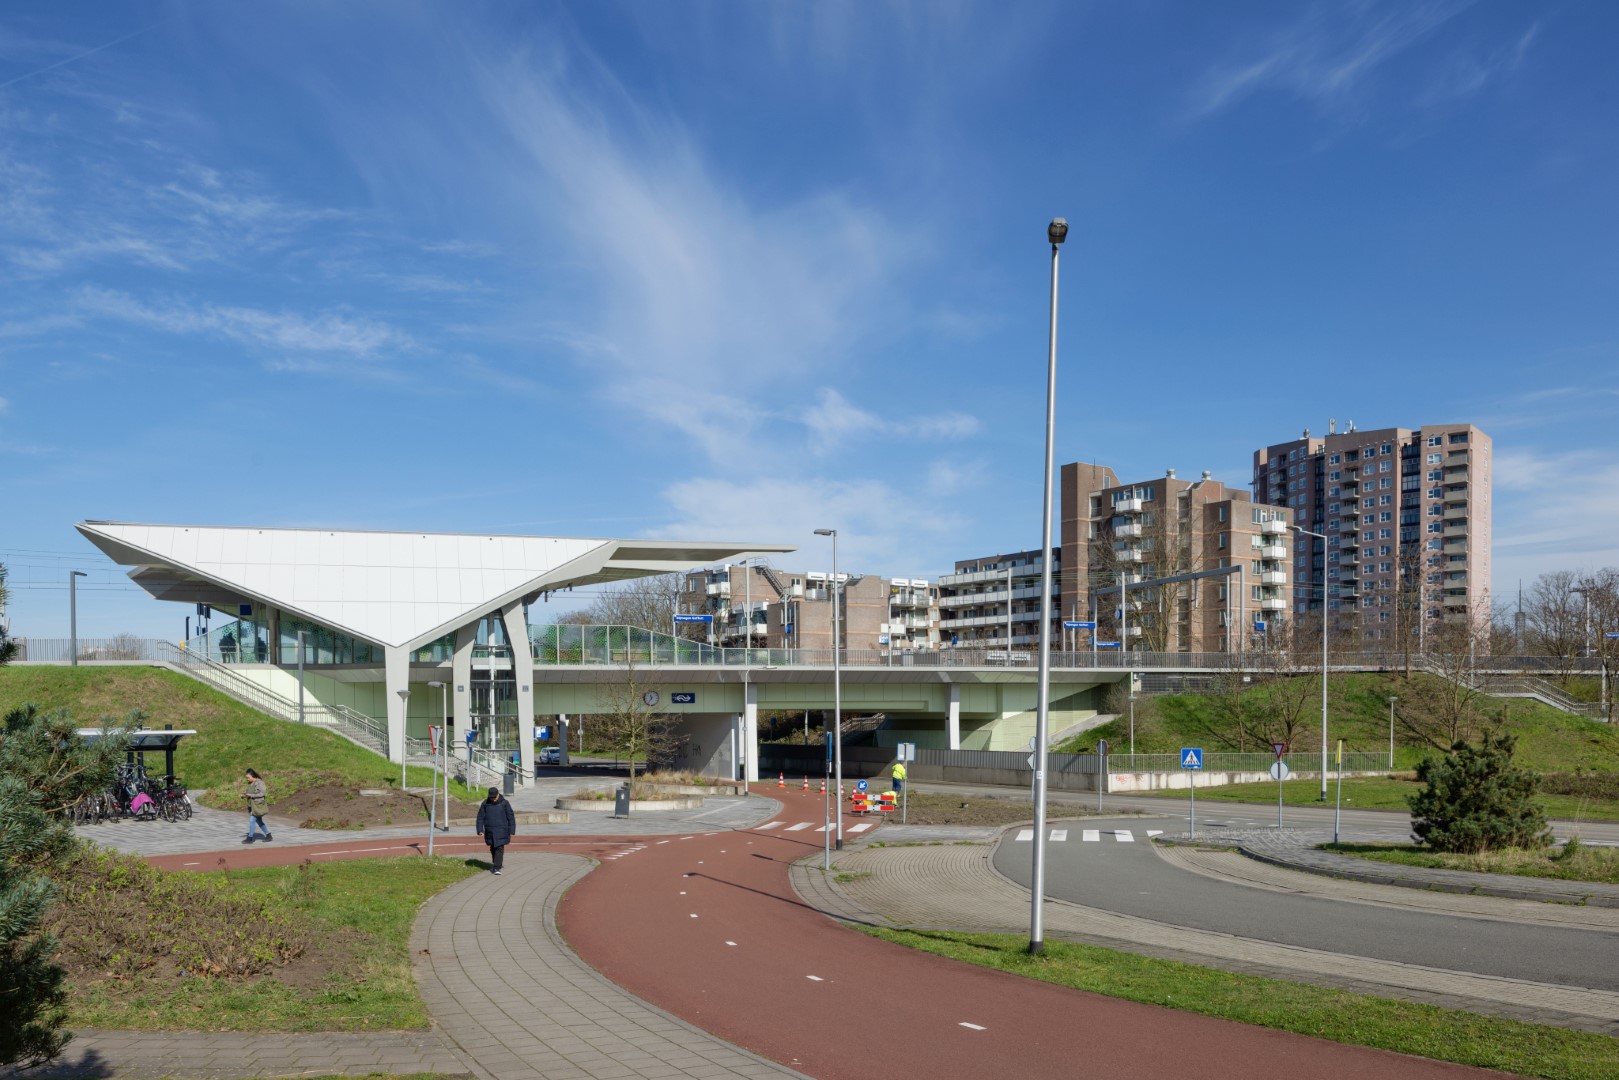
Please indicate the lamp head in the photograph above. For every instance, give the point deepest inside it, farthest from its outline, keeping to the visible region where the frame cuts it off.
(826, 532)
(1057, 231)
(436, 685)
(403, 694)
(80, 573)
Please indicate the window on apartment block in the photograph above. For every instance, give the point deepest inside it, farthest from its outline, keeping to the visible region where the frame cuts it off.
(1369, 519)
(1436, 493)
(1436, 440)
(1436, 475)
(1436, 526)
(1335, 459)
(1385, 550)
(1387, 466)
(1434, 459)
(1369, 534)
(1388, 448)
(1385, 515)
(1436, 510)
(1458, 437)
(1385, 534)
(1386, 483)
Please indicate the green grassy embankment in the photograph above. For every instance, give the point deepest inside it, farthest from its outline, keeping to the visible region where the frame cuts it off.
(230, 736)
(1568, 750)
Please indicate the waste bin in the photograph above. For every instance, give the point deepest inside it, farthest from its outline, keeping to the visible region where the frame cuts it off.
(510, 778)
(621, 801)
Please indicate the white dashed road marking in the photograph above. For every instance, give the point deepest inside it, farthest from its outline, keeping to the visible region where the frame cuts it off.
(732, 943)
(771, 825)
(1059, 834)
(975, 1027)
(1092, 836)
(1025, 834)
(1155, 832)
(814, 978)
(799, 826)
(1124, 836)
(862, 827)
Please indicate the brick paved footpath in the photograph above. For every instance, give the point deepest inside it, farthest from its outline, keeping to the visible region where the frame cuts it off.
(956, 887)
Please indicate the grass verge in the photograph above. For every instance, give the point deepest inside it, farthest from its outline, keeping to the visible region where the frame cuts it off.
(354, 918)
(1573, 863)
(1320, 1012)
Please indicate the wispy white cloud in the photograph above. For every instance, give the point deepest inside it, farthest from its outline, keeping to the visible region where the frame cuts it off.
(1326, 55)
(881, 528)
(833, 420)
(1554, 511)
(1466, 73)
(4, 404)
(278, 331)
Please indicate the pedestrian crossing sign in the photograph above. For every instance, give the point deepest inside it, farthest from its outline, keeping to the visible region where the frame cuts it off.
(1191, 757)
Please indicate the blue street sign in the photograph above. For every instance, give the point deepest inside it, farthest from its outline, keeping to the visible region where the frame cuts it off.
(860, 785)
(1259, 626)
(683, 697)
(829, 748)
(1611, 634)
(694, 618)
(788, 629)
(542, 732)
(1107, 644)
(1083, 624)
(1191, 757)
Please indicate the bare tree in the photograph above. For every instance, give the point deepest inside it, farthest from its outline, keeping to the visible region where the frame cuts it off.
(1554, 620)
(648, 602)
(630, 725)
(125, 647)
(1155, 612)
(1444, 710)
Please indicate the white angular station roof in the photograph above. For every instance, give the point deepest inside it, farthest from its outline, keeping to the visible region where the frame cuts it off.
(391, 588)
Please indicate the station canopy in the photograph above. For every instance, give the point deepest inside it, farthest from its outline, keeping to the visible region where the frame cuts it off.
(398, 589)
(143, 740)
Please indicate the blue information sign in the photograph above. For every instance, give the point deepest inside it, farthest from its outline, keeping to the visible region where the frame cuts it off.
(1611, 634)
(1107, 644)
(683, 697)
(1191, 757)
(860, 785)
(1259, 626)
(694, 618)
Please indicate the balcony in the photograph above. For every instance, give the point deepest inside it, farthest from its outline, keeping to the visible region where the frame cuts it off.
(1273, 603)
(1273, 551)
(1273, 577)
(719, 588)
(1458, 530)
(1129, 506)
(1273, 528)
(1129, 531)
(1130, 555)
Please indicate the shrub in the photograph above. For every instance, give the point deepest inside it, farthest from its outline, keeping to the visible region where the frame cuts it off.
(121, 917)
(1475, 800)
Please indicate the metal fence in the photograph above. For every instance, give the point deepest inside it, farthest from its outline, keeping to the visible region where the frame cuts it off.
(1302, 761)
(124, 648)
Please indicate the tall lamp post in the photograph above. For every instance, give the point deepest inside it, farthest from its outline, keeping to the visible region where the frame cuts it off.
(837, 689)
(444, 748)
(1326, 622)
(1392, 699)
(1056, 233)
(404, 742)
(73, 614)
(301, 634)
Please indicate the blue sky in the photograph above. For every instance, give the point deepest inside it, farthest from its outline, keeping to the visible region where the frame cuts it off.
(744, 270)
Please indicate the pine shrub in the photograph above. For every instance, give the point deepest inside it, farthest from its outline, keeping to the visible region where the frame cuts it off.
(1475, 799)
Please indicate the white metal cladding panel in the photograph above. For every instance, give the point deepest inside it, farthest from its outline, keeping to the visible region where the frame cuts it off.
(387, 587)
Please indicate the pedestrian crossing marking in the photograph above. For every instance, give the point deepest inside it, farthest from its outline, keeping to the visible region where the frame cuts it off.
(1124, 836)
(1092, 835)
(1059, 834)
(862, 827)
(766, 825)
(1025, 834)
(826, 828)
(799, 826)
(1155, 832)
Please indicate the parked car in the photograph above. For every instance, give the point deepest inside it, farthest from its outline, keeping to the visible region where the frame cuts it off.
(550, 755)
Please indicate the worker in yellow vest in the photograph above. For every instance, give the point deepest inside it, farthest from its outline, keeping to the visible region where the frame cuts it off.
(899, 776)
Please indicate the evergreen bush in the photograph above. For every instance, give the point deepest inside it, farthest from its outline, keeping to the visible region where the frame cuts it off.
(1475, 799)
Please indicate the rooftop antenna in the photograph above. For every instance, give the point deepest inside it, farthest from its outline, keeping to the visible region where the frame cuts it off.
(1332, 426)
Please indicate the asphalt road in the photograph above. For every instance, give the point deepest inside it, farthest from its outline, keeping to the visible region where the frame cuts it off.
(1357, 824)
(1130, 878)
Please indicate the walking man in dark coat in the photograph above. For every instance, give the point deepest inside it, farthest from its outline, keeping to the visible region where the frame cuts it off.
(497, 825)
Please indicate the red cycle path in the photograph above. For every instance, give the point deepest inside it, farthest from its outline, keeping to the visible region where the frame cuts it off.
(708, 927)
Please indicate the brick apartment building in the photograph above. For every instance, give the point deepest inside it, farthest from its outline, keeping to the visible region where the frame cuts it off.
(1128, 535)
(779, 609)
(994, 601)
(1406, 513)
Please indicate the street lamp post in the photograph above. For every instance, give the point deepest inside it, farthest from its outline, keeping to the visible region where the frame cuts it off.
(1392, 700)
(837, 689)
(1056, 233)
(301, 634)
(1326, 622)
(73, 614)
(444, 744)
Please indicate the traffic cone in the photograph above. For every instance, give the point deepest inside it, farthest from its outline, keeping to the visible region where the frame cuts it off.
(806, 783)
(781, 779)
(823, 785)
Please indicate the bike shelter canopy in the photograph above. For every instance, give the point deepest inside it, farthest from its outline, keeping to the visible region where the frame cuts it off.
(144, 741)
